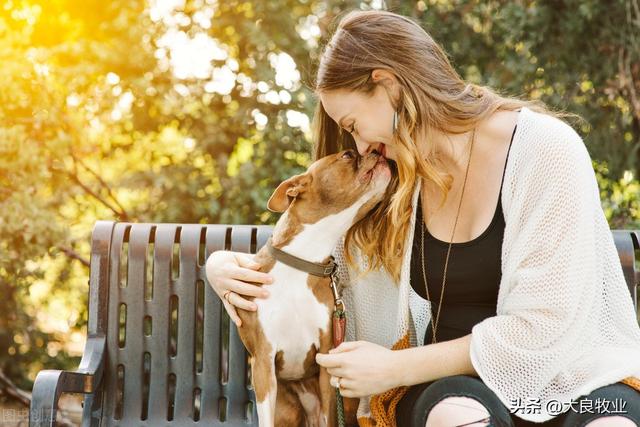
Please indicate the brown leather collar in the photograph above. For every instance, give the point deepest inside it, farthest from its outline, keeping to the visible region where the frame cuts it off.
(317, 269)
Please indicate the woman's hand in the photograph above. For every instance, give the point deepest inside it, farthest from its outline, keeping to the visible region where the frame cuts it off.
(229, 271)
(364, 368)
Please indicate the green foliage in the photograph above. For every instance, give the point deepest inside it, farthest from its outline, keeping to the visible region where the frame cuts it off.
(101, 117)
(620, 198)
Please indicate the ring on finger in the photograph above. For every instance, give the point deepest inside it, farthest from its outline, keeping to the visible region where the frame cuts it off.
(226, 296)
(336, 381)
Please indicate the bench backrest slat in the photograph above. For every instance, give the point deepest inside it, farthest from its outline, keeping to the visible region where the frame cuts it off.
(172, 353)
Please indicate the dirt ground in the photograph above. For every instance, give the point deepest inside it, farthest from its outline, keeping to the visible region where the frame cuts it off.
(13, 414)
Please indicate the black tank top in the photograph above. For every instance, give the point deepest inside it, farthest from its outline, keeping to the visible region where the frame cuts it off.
(473, 275)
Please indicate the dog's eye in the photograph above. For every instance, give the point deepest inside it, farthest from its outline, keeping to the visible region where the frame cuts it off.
(348, 155)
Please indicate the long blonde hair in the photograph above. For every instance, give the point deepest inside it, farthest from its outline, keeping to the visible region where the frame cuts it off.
(432, 96)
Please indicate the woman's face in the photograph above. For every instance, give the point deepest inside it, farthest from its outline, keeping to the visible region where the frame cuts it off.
(368, 119)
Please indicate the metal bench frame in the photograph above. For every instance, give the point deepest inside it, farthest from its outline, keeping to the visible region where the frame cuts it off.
(174, 358)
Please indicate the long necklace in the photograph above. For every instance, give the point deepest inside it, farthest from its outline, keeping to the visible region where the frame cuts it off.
(446, 263)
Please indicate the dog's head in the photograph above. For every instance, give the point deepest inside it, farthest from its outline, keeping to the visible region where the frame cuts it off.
(333, 184)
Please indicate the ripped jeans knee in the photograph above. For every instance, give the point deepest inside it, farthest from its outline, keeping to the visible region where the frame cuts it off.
(419, 401)
(458, 411)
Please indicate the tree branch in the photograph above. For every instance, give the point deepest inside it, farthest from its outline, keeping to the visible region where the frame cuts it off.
(626, 80)
(73, 254)
(120, 215)
(104, 184)
(9, 388)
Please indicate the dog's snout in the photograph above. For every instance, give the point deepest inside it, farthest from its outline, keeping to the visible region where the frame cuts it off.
(365, 160)
(358, 159)
(373, 156)
(373, 153)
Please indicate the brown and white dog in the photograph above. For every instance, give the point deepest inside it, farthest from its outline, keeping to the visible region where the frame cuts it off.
(295, 321)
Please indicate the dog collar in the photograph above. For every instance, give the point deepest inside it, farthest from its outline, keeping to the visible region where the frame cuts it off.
(315, 268)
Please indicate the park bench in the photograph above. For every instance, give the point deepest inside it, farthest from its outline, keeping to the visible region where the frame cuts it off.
(160, 348)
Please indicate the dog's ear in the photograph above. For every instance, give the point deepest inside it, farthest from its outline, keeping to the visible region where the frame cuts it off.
(287, 191)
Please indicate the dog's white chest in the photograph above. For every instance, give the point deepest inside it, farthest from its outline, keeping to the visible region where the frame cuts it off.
(292, 318)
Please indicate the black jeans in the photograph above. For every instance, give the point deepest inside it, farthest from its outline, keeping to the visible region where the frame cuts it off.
(413, 408)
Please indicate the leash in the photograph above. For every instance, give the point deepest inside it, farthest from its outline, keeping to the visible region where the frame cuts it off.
(339, 326)
(339, 320)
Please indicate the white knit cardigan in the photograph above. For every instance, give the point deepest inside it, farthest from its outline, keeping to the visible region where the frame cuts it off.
(565, 323)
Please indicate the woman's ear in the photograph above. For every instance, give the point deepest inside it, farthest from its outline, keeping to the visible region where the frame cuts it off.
(287, 191)
(389, 82)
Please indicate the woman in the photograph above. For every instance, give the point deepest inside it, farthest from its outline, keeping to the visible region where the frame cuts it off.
(494, 220)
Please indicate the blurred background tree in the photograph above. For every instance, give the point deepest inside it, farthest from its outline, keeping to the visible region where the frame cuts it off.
(194, 110)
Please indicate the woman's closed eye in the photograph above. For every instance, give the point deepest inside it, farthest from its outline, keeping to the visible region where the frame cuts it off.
(352, 129)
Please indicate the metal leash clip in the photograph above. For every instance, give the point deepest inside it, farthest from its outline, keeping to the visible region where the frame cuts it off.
(339, 326)
(338, 302)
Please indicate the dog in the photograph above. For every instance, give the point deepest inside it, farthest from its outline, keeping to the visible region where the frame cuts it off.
(295, 321)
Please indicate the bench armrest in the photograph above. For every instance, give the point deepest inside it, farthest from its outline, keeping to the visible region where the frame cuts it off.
(50, 383)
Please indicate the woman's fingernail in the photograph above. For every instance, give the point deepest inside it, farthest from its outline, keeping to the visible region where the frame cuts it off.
(254, 307)
(265, 294)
